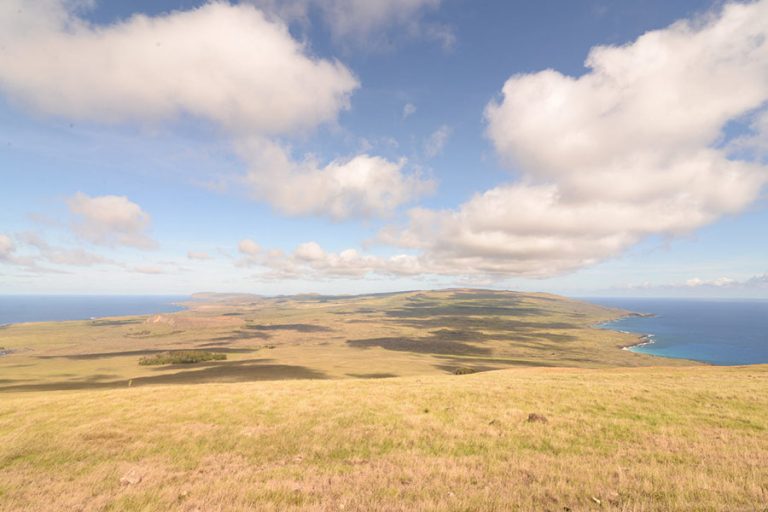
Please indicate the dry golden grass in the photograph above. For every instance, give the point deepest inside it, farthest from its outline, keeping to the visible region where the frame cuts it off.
(616, 439)
(300, 417)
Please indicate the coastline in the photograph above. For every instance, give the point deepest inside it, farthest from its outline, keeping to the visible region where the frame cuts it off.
(179, 303)
(641, 339)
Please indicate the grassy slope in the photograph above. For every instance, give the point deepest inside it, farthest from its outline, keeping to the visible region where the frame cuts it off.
(416, 333)
(244, 434)
(632, 439)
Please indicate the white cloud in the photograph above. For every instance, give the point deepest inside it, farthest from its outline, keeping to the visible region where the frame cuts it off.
(226, 64)
(408, 110)
(310, 251)
(758, 282)
(249, 247)
(628, 150)
(45, 253)
(359, 187)
(75, 257)
(720, 281)
(251, 251)
(198, 255)
(9, 255)
(436, 141)
(62, 255)
(111, 221)
(150, 269)
(754, 283)
(220, 62)
(7, 247)
(310, 261)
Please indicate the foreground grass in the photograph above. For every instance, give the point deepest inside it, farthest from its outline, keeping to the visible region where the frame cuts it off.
(615, 439)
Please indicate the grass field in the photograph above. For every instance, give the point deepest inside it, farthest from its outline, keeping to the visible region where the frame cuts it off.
(616, 439)
(351, 403)
(389, 335)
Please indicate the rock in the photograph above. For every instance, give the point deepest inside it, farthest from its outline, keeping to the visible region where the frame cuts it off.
(537, 418)
(130, 478)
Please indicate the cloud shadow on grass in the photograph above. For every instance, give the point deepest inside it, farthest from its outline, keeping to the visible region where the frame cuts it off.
(224, 372)
(425, 345)
(290, 327)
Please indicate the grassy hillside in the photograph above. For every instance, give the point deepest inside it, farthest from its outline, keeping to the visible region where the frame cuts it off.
(457, 400)
(300, 337)
(615, 439)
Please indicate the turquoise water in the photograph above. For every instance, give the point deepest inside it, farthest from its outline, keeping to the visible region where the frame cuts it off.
(45, 308)
(721, 332)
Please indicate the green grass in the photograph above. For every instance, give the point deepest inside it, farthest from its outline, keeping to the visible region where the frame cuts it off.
(181, 357)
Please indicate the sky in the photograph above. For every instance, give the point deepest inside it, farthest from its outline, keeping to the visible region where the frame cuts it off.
(580, 147)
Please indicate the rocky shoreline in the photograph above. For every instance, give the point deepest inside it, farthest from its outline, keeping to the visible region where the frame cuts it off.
(643, 339)
(641, 315)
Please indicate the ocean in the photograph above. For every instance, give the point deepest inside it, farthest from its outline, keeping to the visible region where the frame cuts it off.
(45, 308)
(721, 332)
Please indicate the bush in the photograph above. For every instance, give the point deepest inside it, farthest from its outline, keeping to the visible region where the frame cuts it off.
(181, 357)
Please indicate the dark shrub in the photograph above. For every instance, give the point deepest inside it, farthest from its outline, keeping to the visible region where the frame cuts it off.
(181, 357)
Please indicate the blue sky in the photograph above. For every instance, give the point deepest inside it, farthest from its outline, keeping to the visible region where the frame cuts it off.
(345, 146)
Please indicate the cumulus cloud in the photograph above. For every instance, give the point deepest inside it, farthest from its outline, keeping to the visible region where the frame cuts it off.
(362, 186)
(630, 149)
(249, 247)
(111, 221)
(223, 63)
(226, 64)
(310, 261)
